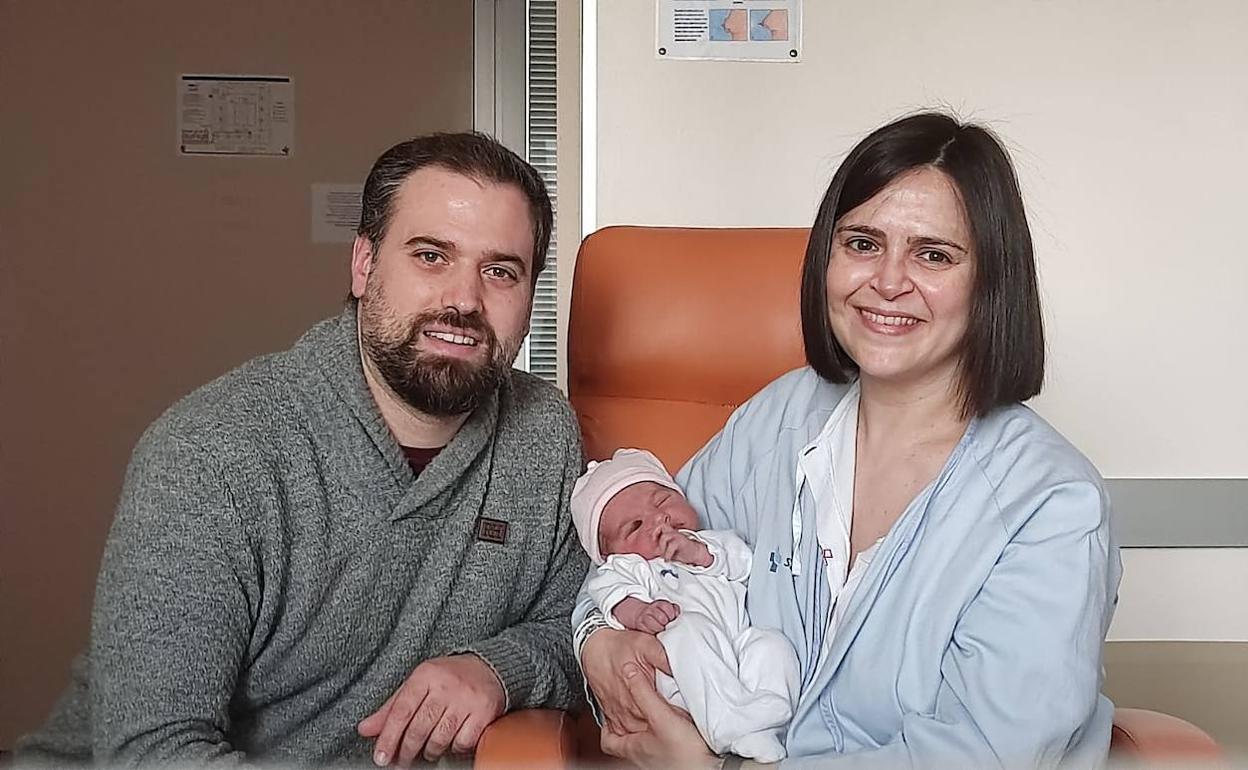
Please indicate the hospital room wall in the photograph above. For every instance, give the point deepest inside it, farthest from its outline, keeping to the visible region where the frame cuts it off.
(1131, 155)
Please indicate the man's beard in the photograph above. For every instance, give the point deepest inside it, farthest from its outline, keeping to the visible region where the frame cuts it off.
(435, 385)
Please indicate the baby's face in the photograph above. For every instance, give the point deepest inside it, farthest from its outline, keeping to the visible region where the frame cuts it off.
(635, 517)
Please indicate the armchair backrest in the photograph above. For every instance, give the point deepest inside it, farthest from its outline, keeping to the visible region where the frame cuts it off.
(673, 328)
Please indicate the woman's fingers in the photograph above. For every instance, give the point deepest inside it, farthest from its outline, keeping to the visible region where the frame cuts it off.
(603, 657)
(670, 739)
(629, 721)
(647, 698)
(619, 708)
(655, 656)
(613, 744)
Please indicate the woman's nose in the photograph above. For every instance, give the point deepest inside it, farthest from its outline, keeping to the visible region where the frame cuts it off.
(891, 278)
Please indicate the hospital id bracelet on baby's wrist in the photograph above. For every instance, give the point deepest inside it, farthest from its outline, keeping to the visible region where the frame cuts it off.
(593, 622)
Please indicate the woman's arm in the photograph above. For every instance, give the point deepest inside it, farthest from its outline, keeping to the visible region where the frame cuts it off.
(1021, 676)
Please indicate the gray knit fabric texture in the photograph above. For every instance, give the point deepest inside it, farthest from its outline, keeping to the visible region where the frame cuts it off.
(275, 569)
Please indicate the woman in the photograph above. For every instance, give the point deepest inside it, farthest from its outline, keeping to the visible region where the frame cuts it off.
(939, 556)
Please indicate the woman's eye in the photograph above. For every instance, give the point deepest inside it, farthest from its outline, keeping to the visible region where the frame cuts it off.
(860, 244)
(937, 257)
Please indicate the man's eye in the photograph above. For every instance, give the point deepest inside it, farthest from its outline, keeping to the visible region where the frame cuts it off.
(500, 272)
(431, 257)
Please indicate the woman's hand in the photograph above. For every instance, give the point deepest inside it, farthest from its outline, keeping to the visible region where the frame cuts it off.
(603, 658)
(671, 739)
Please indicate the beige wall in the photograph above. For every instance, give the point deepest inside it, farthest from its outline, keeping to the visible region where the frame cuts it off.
(1130, 150)
(131, 275)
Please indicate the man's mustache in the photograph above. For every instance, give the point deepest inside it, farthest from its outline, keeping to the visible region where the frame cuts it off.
(472, 322)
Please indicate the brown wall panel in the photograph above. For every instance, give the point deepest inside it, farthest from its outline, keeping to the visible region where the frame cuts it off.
(130, 275)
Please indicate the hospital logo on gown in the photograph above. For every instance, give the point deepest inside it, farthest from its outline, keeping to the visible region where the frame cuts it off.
(777, 561)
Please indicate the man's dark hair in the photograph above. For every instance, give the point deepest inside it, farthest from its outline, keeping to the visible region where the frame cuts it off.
(1002, 356)
(472, 154)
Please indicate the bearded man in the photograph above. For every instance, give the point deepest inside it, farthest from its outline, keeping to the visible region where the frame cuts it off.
(359, 548)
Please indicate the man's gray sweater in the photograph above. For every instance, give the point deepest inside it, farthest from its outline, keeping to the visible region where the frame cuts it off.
(276, 570)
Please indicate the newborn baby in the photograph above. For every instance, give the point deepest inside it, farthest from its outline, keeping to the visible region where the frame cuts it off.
(657, 573)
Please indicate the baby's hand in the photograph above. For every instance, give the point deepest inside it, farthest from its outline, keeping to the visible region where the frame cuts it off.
(647, 617)
(684, 550)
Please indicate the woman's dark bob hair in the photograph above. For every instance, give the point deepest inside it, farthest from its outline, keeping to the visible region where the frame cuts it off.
(1002, 357)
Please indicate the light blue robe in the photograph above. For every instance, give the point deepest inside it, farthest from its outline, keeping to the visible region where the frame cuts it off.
(974, 639)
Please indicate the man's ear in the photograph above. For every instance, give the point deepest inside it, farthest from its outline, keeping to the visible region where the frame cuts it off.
(362, 257)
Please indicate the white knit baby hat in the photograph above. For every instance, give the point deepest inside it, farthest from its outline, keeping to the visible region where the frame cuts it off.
(602, 481)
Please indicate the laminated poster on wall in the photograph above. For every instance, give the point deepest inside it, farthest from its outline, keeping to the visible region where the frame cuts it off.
(335, 211)
(236, 115)
(729, 30)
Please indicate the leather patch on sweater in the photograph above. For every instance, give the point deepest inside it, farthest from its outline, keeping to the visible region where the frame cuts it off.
(491, 530)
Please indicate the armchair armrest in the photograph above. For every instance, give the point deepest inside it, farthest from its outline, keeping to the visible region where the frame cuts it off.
(1151, 736)
(547, 738)
(531, 738)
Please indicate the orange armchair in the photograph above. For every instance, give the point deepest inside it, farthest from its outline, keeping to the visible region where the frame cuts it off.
(671, 329)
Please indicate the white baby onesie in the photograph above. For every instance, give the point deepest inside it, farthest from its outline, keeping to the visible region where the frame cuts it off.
(739, 683)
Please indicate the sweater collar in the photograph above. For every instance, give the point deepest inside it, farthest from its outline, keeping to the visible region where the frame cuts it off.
(335, 349)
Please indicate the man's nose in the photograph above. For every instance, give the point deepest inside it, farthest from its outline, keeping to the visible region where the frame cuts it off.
(462, 291)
